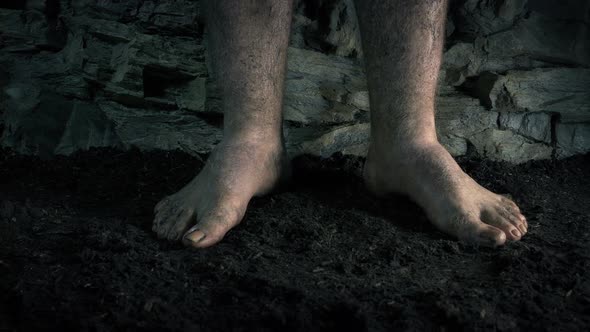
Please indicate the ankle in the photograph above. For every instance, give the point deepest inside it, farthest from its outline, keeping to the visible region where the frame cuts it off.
(401, 149)
(404, 169)
(260, 138)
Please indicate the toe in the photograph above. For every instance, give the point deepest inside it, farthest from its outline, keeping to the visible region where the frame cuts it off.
(161, 204)
(516, 217)
(510, 203)
(160, 220)
(513, 218)
(499, 218)
(211, 228)
(470, 229)
(489, 236)
(169, 231)
(521, 226)
(179, 224)
(194, 236)
(523, 220)
(163, 221)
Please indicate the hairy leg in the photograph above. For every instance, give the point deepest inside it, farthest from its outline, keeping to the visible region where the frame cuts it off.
(248, 43)
(403, 41)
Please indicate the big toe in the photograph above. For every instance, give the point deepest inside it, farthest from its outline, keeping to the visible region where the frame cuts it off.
(211, 228)
(489, 236)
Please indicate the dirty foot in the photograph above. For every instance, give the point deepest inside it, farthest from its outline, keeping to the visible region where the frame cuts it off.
(452, 200)
(218, 196)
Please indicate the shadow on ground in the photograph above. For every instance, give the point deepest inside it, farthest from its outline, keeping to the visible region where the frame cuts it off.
(77, 252)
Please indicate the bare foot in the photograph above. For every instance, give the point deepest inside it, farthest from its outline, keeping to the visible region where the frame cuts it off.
(218, 196)
(453, 201)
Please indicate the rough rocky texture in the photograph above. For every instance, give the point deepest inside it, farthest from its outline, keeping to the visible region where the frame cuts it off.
(514, 85)
(572, 138)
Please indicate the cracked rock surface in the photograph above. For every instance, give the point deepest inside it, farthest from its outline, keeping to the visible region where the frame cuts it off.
(76, 74)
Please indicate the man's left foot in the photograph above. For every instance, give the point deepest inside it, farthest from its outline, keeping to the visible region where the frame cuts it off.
(452, 200)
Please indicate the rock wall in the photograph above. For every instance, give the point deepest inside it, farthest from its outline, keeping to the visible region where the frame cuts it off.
(75, 74)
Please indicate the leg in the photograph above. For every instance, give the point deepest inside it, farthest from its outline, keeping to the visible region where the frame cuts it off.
(248, 41)
(403, 42)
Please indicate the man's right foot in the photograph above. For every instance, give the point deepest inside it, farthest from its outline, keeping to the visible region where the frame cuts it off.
(218, 196)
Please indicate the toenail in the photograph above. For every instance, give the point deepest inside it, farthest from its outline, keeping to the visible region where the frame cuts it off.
(191, 231)
(199, 239)
(515, 232)
(522, 229)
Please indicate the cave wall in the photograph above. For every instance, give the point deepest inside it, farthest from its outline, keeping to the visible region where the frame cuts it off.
(76, 74)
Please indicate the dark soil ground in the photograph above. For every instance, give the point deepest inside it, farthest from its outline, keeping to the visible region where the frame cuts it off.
(77, 252)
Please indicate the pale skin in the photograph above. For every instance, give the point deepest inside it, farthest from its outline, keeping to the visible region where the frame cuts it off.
(402, 42)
